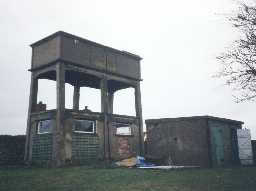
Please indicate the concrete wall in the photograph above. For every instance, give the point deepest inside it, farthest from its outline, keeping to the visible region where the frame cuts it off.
(46, 52)
(99, 57)
(203, 141)
(88, 54)
(178, 141)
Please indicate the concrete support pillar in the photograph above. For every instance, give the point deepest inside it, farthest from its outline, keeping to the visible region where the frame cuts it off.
(104, 110)
(138, 108)
(58, 131)
(110, 102)
(76, 96)
(31, 108)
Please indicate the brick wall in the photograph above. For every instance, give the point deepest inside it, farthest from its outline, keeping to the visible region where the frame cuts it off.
(178, 142)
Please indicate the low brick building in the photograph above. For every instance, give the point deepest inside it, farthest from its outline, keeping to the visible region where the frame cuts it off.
(201, 141)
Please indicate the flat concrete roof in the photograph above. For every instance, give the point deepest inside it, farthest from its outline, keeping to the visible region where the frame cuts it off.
(163, 120)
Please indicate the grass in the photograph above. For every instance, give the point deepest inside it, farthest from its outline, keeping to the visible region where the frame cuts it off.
(122, 179)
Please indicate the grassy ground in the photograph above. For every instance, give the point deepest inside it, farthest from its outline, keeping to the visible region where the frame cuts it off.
(121, 179)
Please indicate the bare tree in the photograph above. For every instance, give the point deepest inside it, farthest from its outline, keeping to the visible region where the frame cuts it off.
(239, 62)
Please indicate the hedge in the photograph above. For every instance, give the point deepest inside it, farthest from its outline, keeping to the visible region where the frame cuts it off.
(12, 149)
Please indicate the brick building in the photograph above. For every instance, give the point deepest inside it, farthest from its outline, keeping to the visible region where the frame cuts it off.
(198, 141)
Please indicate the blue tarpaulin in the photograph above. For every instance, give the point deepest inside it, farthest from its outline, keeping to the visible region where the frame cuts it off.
(141, 162)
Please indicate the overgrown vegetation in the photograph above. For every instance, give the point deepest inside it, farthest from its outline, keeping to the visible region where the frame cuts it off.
(121, 179)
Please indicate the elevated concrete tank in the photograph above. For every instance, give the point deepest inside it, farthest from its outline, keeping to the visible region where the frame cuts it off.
(63, 136)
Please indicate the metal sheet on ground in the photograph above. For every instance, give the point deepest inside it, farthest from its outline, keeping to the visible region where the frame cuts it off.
(167, 167)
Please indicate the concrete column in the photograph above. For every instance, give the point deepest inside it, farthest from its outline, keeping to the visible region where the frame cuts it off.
(104, 111)
(76, 96)
(138, 108)
(110, 102)
(31, 108)
(58, 131)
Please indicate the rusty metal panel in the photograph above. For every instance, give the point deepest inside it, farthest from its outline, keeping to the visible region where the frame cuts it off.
(46, 52)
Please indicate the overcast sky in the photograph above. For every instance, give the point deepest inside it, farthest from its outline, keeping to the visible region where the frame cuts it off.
(178, 41)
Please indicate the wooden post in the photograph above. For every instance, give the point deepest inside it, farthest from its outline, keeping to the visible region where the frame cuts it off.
(104, 110)
(31, 108)
(76, 96)
(138, 108)
(58, 131)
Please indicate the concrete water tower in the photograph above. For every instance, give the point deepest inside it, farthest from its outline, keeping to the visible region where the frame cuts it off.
(62, 136)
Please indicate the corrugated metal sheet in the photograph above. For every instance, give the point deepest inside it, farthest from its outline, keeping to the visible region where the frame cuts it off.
(245, 146)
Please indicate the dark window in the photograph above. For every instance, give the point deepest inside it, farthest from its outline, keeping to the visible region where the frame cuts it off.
(84, 126)
(44, 126)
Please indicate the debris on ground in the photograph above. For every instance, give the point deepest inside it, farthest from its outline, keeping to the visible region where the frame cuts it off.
(140, 162)
(167, 167)
(129, 162)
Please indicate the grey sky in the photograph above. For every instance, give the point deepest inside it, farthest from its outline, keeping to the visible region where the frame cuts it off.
(178, 41)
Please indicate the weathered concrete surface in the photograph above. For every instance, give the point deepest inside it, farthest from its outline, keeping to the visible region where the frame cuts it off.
(66, 58)
(178, 142)
(70, 48)
(81, 148)
(192, 141)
